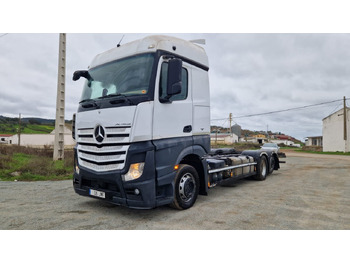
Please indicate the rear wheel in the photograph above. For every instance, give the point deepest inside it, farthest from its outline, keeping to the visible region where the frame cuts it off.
(186, 187)
(272, 164)
(261, 169)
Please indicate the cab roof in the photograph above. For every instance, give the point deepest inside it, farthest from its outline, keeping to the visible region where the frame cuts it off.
(151, 44)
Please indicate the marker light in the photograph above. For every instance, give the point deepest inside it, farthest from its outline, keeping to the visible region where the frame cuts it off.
(135, 172)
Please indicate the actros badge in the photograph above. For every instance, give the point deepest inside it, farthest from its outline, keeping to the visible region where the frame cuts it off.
(99, 133)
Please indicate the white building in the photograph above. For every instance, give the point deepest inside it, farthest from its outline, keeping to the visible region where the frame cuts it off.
(41, 140)
(333, 132)
(5, 139)
(223, 138)
(314, 141)
(253, 139)
(286, 142)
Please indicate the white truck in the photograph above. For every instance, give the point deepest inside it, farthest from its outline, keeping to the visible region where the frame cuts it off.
(143, 128)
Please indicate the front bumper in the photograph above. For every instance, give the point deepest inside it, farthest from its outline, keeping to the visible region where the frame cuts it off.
(139, 193)
(116, 192)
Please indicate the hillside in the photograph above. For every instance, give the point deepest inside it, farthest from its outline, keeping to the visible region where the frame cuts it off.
(9, 125)
(249, 133)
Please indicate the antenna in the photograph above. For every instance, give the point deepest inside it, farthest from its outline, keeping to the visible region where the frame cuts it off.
(120, 41)
(198, 41)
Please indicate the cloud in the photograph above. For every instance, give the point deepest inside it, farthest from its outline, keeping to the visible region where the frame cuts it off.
(249, 74)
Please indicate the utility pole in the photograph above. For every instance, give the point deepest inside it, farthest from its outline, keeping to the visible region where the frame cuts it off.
(58, 150)
(345, 127)
(230, 117)
(19, 129)
(267, 132)
(346, 146)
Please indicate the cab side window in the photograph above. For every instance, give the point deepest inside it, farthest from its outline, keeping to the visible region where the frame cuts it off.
(163, 84)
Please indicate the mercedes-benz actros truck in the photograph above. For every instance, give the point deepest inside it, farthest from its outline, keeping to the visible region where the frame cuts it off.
(142, 128)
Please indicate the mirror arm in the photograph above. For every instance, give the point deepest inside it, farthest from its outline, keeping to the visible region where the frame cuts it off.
(81, 73)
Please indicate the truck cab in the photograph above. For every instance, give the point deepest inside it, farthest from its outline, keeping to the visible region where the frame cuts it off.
(144, 114)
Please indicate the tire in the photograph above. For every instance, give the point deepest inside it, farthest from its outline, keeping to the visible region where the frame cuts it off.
(261, 169)
(186, 187)
(272, 164)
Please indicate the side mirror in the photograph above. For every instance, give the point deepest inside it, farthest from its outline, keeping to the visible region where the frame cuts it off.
(81, 73)
(174, 84)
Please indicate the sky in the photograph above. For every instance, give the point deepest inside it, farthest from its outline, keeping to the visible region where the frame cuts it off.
(249, 74)
(264, 56)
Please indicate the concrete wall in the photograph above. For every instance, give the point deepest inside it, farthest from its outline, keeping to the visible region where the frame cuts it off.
(286, 142)
(314, 141)
(223, 139)
(41, 140)
(253, 140)
(5, 139)
(308, 142)
(333, 134)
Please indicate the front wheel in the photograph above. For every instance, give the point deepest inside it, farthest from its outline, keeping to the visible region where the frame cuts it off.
(186, 187)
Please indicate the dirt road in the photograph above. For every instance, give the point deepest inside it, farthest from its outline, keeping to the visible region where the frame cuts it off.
(308, 192)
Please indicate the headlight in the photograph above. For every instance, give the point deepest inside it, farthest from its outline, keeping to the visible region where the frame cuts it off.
(135, 171)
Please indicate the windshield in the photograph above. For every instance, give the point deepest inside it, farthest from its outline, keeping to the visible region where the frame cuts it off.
(129, 76)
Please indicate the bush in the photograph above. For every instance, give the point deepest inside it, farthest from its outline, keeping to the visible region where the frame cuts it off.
(312, 148)
(34, 163)
(4, 161)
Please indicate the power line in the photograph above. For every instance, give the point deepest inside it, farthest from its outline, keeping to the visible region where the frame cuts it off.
(279, 111)
(289, 109)
(335, 109)
(218, 119)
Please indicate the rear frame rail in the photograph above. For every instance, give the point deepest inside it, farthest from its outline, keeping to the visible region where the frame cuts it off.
(231, 167)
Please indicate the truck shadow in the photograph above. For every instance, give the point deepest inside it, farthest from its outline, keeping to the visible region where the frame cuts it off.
(106, 208)
(109, 208)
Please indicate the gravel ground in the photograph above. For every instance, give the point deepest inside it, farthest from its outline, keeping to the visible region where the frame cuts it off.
(308, 192)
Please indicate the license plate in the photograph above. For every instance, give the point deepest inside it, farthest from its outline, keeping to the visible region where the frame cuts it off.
(97, 193)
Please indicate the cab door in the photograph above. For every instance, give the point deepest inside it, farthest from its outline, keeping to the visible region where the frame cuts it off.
(172, 118)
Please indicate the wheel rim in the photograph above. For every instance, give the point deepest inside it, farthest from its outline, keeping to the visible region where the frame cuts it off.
(187, 187)
(263, 167)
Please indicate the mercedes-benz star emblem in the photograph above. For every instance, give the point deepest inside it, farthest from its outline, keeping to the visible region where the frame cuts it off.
(99, 133)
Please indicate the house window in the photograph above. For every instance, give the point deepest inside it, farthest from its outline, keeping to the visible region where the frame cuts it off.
(2, 139)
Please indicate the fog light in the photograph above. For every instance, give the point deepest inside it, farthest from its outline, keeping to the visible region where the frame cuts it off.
(76, 166)
(135, 172)
(136, 191)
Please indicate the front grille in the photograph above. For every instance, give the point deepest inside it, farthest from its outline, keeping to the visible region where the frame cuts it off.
(106, 156)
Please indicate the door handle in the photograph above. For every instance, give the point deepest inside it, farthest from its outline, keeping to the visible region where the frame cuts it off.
(187, 129)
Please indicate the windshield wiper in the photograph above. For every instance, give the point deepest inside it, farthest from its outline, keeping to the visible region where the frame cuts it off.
(117, 101)
(86, 103)
(87, 100)
(110, 95)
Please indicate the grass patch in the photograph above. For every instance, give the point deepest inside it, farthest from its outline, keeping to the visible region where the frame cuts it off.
(26, 129)
(323, 153)
(38, 129)
(31, 164)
